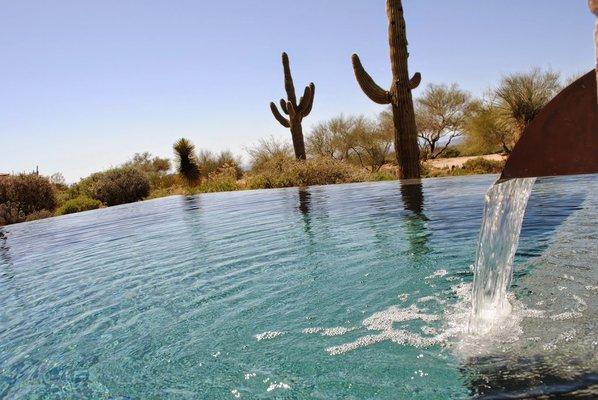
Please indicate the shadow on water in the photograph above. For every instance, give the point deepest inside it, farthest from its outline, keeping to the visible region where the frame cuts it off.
(527, 378)
(547, 209)
(415, 221)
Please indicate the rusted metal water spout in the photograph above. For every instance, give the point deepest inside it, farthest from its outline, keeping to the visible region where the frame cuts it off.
(563, 138)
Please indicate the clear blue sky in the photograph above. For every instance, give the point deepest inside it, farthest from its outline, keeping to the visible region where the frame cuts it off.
(85, 84)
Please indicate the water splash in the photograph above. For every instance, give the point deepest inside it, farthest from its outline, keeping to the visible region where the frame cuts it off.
(497, 244)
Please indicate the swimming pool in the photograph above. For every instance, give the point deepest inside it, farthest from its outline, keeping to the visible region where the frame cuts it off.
(348, 291)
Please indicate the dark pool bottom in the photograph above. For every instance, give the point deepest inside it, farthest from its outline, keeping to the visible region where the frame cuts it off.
(350, 291)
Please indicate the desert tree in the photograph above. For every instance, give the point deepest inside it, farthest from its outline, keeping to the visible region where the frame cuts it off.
(399, 95)
(486, 131)
(440, 114)
(296, 111)
(148, 163)
(496, 124)
(333, 138)
(355, 139)
(57, 179)
(373, 142)
(519, 97)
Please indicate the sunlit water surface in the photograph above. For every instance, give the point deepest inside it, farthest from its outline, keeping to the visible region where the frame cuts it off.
(352, 291)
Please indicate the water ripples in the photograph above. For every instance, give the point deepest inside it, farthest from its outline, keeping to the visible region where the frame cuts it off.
(163, 299)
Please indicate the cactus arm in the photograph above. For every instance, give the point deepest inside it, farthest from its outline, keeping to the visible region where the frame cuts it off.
(283, 106)
(303, 99)
(307, 100)
(309, 104)
(367, 84)
(283, 121)
(415, 81)
(288, 79)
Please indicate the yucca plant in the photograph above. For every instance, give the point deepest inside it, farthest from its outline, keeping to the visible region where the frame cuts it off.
(187, 166)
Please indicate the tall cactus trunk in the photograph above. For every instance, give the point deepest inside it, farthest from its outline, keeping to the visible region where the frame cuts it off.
(407, 148)
(296, 111)
(298, 142)
(399, 96)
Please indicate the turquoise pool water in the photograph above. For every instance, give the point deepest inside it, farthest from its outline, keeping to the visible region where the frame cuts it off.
(349, 291)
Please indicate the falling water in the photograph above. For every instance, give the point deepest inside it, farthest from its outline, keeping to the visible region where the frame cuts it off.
(497, 244)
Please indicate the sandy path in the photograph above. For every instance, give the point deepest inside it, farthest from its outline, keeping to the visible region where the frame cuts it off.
(441, 163)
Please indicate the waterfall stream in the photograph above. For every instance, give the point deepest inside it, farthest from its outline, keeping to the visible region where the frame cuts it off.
(499, 236)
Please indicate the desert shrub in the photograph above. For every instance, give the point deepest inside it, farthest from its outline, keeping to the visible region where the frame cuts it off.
(424, 170)
(451, 152)
(223, 179)
(116, 186)
(173, 190)
(210, 163)
(78, 204)
(24, 194)
(10, 214)
(358, 140)
(321, 171)
(41, 214)
(481, 165)
(382, 176)
(155, 168)
(268, 152)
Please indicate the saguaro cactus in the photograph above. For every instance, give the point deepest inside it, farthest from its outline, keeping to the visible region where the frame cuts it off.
(399, 95)
(295, 111)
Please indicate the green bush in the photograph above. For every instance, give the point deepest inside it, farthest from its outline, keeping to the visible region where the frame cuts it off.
(278, 173)
(24, 194)
(79, 204)
(116, 186)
